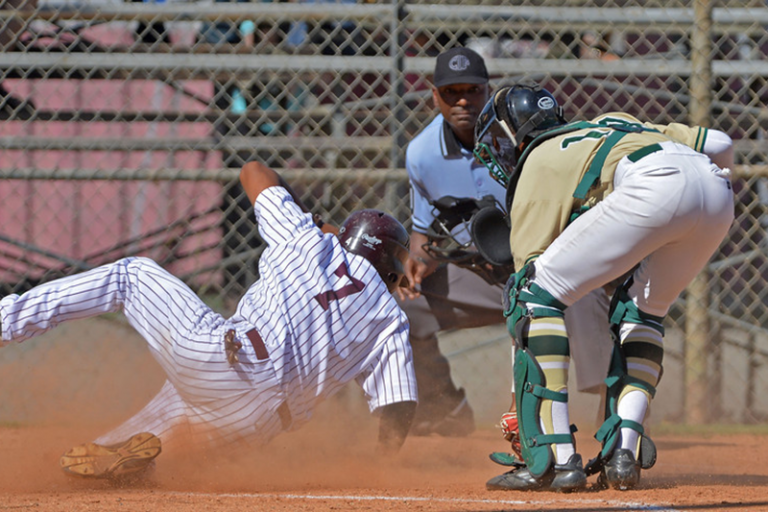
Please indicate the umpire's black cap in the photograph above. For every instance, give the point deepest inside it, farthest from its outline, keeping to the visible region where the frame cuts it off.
(459, 66)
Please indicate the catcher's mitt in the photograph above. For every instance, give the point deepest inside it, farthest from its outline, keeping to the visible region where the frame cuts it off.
(511, 432)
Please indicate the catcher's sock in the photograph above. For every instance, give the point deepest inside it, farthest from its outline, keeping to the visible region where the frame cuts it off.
(643, 348)
(561, 423)
(633, 405)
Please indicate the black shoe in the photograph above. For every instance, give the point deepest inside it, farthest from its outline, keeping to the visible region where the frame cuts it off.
(460, 422)
(621, 472)
(568, 477)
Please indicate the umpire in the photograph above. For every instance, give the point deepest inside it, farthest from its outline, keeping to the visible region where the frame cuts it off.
(440, 163)
(453, 287)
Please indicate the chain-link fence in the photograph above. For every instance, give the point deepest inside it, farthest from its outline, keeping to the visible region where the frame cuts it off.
(123, 127)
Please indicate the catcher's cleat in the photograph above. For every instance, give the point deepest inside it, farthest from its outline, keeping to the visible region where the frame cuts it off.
(98, 461)
(568, 477)
(621, 472)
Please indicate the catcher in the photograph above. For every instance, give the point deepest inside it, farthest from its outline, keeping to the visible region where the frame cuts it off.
(593, 203)
(456, 281)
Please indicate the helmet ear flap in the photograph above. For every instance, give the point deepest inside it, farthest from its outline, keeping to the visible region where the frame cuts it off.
(393, 280)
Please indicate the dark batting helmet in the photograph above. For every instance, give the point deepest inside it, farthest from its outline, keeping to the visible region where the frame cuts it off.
(380, 239)
(511, 119)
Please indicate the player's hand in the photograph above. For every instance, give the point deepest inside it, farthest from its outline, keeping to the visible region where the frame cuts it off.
(419, 265)
(405, 291)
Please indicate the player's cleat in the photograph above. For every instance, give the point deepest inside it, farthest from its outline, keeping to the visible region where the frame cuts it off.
(568, 477)
(459, 422)
(621, 472)
(98, 461)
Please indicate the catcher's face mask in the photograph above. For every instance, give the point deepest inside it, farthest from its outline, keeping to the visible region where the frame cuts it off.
(450, 237)
(495, 144)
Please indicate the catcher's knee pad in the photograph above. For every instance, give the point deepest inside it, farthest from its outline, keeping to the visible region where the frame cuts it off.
(524, 299)
(638, 336)
(530, 390)
(623, 309)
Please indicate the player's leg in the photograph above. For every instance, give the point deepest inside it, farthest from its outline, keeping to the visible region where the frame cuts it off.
(656, 283)
(103, 290)
(153, 300)
(656, 211)
(179, 328)
(542, 359)
(184, 336)
(167, 413)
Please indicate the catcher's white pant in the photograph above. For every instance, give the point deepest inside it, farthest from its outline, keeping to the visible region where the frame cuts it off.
(207, 398)
(669, 212)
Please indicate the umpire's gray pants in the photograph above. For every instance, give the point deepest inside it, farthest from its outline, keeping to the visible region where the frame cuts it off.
(456, 298)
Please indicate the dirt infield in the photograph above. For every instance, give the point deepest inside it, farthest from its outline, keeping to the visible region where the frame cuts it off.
(330, 468)
(64, 389)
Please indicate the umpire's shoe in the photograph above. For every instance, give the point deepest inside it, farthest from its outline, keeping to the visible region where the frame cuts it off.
(458, 422)
(566, 477)
(622, 471)
(114, 461)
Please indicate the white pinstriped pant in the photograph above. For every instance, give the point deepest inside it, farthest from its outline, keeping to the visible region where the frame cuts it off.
(207, 398)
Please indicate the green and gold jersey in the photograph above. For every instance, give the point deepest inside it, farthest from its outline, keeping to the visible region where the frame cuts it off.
(544, 198)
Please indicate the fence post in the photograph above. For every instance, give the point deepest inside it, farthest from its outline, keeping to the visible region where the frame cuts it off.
(397, 80)
(696, 316)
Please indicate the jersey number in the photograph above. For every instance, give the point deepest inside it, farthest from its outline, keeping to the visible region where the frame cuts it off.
(356, 286)
(608, 122)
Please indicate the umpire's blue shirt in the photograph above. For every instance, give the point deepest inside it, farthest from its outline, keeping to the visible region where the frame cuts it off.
(438, 165)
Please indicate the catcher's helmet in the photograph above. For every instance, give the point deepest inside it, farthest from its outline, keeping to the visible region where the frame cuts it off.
(380, 239)
(510, 120)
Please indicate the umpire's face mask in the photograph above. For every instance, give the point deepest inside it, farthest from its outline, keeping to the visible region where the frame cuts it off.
(495, 145)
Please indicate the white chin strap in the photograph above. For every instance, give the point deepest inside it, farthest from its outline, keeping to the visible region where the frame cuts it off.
(508, 131)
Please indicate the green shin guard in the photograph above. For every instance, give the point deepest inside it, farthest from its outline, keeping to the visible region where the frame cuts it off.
(609, 432)
(523, 300)
(530, 391)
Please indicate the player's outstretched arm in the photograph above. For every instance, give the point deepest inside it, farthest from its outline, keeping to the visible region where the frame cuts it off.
(394, 424)
(256, 177)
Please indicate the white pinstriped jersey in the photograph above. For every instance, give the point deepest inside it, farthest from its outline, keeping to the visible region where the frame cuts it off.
(319, 343)
(320, 333)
